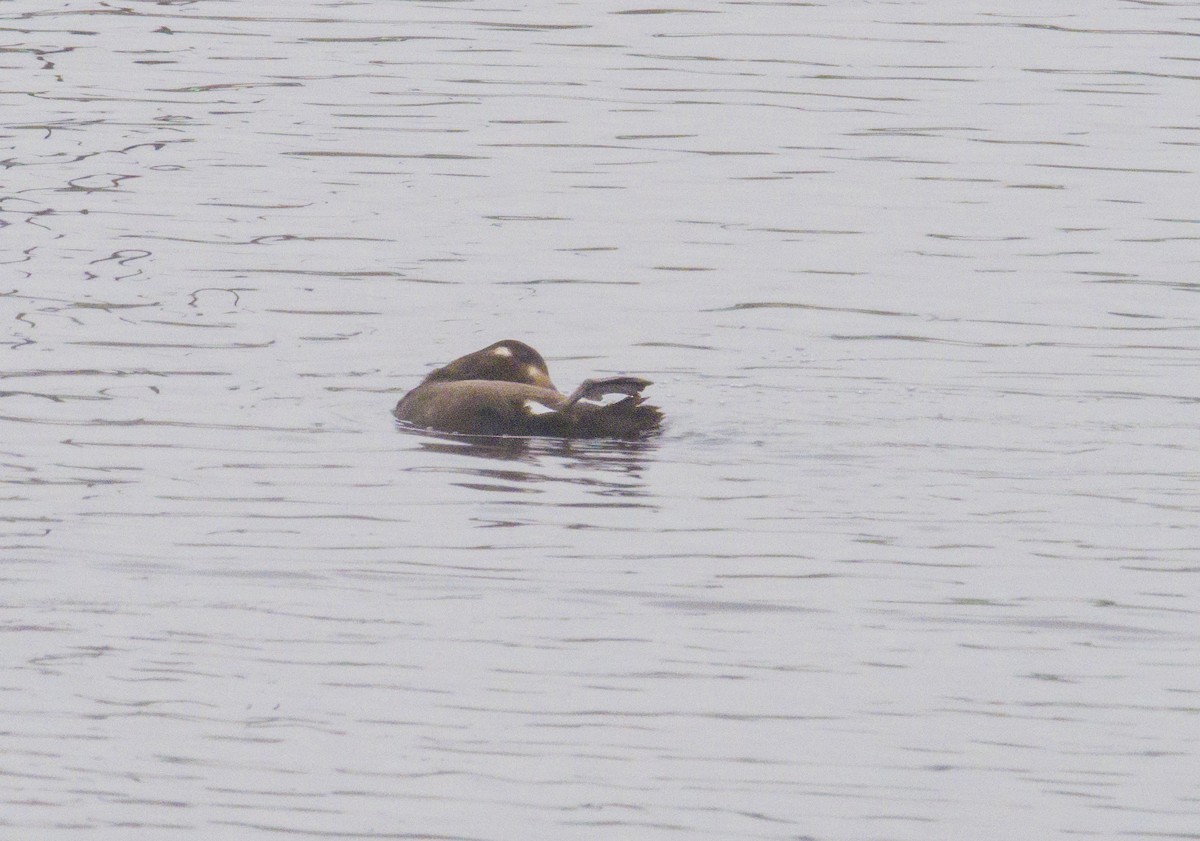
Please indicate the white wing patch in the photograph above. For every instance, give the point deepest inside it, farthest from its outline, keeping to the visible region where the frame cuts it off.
(535, 408)
(607, 399)
(503, 350)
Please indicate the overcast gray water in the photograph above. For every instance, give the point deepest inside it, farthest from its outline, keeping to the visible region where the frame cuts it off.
(918, 555)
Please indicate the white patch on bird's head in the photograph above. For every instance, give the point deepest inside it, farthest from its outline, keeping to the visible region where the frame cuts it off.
(536, 408)
(503, 350)
(533, 371)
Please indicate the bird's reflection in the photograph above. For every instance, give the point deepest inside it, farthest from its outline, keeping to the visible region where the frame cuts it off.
(585, 460)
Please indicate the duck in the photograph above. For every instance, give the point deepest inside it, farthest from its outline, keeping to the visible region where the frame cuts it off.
(505, 389)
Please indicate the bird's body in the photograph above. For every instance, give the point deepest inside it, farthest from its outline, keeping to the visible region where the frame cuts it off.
(505, 389)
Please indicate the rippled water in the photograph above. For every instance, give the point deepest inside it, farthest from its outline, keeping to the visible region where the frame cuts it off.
(916, 557)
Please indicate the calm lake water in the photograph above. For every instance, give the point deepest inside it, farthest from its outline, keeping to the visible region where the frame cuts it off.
(918, 285)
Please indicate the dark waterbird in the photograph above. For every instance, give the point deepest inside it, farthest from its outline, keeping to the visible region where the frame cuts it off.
(505, 389)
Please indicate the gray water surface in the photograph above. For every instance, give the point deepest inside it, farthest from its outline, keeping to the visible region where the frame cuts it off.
(916, 557)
